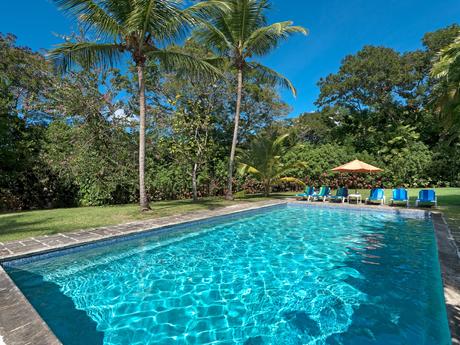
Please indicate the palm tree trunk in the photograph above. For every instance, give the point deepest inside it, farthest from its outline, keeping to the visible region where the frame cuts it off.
(267, 188)
(144, 204)
(231, 163)
(194, 184)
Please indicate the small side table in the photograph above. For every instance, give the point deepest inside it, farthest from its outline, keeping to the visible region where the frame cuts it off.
(356, 197)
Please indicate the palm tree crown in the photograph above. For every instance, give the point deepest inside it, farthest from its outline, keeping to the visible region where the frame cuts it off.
(264, 160)
(242, 34)
(139, 27)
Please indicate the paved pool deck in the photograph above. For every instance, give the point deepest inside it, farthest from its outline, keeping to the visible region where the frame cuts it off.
(21, 324)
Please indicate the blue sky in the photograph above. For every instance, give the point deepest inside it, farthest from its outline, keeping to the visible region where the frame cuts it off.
(337, 28)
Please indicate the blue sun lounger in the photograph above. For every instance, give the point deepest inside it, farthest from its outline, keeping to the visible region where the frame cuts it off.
(377, 196)
(426, 197)
(400, 196)
(309, 191)
(341, 195)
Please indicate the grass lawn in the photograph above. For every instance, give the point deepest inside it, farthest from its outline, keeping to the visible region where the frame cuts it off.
(19, 225)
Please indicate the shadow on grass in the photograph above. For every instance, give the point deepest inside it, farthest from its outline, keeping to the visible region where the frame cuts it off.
(70, 325)
(449, 200)
(17, 225)
(185, 205)
(21, 225)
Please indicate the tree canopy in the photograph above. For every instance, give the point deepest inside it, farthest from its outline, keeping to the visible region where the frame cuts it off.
(73, 139)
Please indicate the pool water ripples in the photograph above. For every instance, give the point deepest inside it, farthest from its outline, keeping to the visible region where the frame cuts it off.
(289, 275)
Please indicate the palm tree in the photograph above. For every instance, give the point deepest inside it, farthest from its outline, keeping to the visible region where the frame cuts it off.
(263, 160)
(239, 35)
(139, 28)
(446, 93)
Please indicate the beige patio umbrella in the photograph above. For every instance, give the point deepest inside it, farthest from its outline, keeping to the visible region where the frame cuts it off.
(357, 166)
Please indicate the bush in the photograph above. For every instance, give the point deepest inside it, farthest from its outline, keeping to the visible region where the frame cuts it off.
(410, 168)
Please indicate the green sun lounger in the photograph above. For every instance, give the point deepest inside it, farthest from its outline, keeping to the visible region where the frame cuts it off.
(341, 195)
(323, 194)
(309, 191)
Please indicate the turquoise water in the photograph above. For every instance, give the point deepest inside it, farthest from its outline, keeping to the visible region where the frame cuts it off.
(287, 275)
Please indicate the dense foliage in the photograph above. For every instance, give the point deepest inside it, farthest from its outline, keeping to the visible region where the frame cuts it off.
(73, 139)
(264, 159)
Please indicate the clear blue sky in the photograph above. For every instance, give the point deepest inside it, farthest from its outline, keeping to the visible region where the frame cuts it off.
(337, 28)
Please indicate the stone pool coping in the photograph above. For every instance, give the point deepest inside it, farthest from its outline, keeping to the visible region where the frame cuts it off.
(21, 324)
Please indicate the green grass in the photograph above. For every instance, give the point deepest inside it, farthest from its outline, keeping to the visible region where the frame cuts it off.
(20, 225)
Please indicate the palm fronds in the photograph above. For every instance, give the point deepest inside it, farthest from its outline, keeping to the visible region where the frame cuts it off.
(446, 93)
(85, 54)
(264, 160)
(93, 15)
(265, 39)
(243, 31)
(181, 63)
(447, 62)
(271, 77)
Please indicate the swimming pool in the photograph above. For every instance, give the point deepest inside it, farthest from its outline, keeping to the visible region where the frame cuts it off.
(283, 275)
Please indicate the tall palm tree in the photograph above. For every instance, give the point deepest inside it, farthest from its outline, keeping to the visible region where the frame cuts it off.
(263, 160)
(139, 28)
(239, 35)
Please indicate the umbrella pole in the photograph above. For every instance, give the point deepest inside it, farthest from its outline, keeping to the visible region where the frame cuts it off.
(356, 186)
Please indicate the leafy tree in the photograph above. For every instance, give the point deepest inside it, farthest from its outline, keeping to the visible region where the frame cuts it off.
(447, 91)
(264, 160)
(312, 128)
(138, 28)
(191, 137)
(239, 35)
(409, 167)
(375, 79)
(439, 39)
(25, 179)
(87, 144)
(406, 158)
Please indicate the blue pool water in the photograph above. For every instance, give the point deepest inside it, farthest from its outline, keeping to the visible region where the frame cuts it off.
(286, 275)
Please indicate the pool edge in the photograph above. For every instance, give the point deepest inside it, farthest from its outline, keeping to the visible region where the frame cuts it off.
(449, 261)
(25, 326)
(20, 323)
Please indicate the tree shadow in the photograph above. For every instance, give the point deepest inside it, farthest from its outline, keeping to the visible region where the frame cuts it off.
(15, 224)
(449, 200)
(453, 311)
(70, 325)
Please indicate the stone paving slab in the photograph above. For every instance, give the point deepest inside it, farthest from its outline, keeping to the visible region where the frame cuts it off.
(20, 324)
(450, 270)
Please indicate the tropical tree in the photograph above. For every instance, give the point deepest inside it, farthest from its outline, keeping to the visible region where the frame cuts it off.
(191, 138)
(239, 35)
(446, 93)
(139, 28)
(264, 160)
